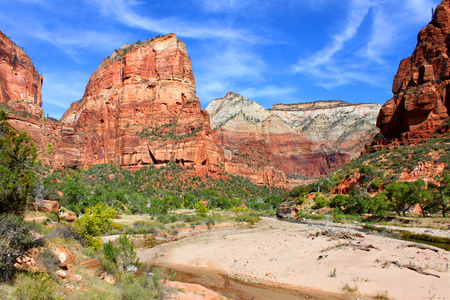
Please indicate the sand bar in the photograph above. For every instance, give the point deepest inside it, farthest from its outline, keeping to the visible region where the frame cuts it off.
(291, 255)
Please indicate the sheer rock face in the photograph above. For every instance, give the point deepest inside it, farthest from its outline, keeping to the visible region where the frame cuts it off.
(261, 139)
(421, 86)
(140, 108)
(20, 83)
(21, 92)
(339, 125)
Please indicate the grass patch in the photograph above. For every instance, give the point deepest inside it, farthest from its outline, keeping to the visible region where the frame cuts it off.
(250, 218)
(347, 288)
(424, 237)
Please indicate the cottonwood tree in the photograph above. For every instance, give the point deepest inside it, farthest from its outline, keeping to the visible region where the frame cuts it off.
(440, 192)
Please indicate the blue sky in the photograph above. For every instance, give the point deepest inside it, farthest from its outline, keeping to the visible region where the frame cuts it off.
(280, 51)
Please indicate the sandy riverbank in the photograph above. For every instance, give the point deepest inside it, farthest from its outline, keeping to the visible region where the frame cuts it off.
(279, 253)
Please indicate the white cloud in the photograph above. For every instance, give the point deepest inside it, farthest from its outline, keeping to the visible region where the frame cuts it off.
(358, 11)
(71, 41)
(225, 5)
(227, 65)
(390, 23)
(269, 91)
(62, 88)
(123, 11)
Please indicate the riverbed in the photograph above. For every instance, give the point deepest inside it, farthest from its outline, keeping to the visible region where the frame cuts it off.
(301, 258)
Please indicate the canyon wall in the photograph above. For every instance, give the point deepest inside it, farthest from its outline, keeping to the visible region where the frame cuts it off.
(140, 107)
(301, 140)
(20, 83)
(421, 87)
(339, 125)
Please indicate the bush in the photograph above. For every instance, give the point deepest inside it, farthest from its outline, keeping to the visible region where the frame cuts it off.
(122, 254)
(200, 208)
(320, 201)
(15, 240)
(95, 221)
(110, 252)
(126, 255)
(37, 286)
(64, 232)
(338, 201)
(250, 218)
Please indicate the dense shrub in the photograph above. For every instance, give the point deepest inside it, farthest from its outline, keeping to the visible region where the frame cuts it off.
(319, 201)
(15, 240)
(37, 286)
(95, 221)
(250, 218)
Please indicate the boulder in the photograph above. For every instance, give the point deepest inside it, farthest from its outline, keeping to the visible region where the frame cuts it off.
(47, 205)
(92, 264)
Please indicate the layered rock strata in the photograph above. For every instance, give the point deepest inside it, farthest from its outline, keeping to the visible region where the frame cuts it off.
(337, 124)
(140, 108)
(259, 138)
(20, 83)
(421, 87)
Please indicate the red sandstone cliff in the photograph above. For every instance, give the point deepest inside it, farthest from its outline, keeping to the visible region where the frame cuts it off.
(421, 86)
(140, 108)
(21, 93)
(20, 83)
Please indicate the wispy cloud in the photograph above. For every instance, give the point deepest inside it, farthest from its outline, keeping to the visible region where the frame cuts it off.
(62, 88)
(389, 20)
(225, 5)
(70, 40)
(269, 91)
(322, 65)
(227, 65)
(124, 12)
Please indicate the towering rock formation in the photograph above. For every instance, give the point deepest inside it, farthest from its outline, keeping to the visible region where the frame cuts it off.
(20, 83)
(261, 139)
(421, 87)
(21, 97)
(140, 108)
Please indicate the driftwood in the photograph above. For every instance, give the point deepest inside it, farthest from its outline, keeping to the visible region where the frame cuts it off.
(337, 233)
(414, 269)
(423, 247)
(349, 244)
(363, 247)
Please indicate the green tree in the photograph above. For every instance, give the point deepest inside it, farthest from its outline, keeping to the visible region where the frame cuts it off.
(201, 208)
(319, 201)
(95, 221)
(126, 254)
(440, 192)
(418, 194)
(399, 196)
(17, 158)
(379, 204)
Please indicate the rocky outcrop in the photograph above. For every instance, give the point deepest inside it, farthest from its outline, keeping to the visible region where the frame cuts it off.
(140, 108)
(262, 140)
(421, 87)
(337, 124)
(20, 83)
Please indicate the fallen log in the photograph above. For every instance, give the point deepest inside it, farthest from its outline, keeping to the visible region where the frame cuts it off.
(414, 269)
(423, 247)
